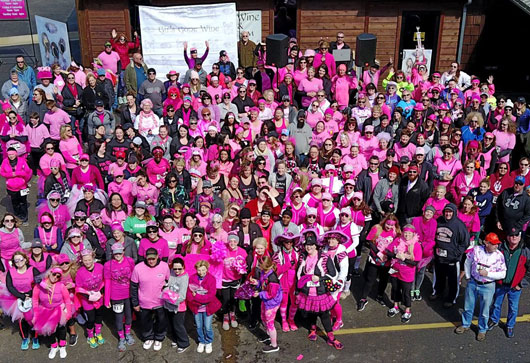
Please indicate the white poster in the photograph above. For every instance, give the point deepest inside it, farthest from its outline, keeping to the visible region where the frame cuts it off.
(251, 22)
(164, 31)
(409, 56)
(53, 42)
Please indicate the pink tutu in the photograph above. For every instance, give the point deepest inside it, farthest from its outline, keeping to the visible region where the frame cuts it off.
(315, 304)
(46, 320)
(8, 303)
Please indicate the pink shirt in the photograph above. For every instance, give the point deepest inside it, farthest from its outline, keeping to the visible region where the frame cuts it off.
(56, 120)
(117, 277)
(151, 281)
(306, 85)
(230, 272)
(110, 61)
(36, 135)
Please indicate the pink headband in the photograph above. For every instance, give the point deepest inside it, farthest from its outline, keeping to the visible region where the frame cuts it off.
(391, 222)
(409, 229)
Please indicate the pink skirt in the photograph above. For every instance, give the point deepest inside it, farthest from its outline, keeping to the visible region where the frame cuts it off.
(8, 304)
(46, 320)
(315, 304)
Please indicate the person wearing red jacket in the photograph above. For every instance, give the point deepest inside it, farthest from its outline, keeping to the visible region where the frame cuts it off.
(203, 304)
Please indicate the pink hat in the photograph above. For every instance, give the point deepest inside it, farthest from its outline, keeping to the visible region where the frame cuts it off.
(309, 53)
(46, 219)
(316, 182)
(443, 107)
(6, 106)
(358, 195)
(346, 210)
(311, 211)
(347, 168)
(473, 144)
(89, 188)
(327, 196)
(432, 117)
(84, 157)
(117, 172)
(44, 73)
(329, 111)
(62, 258)
(116, 227)
(475, 97)
(56, 270)
(369, 128)
(454, 91)
(489, 134)
(419, 107)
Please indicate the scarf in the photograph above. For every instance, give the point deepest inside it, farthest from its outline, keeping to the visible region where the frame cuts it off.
(72, 89)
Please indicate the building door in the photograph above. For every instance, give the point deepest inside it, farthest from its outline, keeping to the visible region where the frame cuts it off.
(429, 24)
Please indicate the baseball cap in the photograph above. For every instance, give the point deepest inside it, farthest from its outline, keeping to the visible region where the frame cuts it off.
(519, 179)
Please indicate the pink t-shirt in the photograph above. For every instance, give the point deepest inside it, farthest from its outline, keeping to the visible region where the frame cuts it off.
(375, 179)
(230, 272)
(160, 245)
(150, 282)
(117, 277)
(110, 61)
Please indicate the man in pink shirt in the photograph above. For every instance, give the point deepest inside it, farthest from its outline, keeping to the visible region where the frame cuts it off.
(110, 59)
(55, 118)
(147, 281)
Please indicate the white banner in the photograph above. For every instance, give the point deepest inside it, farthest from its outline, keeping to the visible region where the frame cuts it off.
(164, 31)
(251, 22)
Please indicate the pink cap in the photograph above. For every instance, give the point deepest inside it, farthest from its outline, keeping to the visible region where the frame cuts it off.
(62, 258)
(311, 212)
(346, 210)
(328, 111)
(369, 128)
(358, 195)
(419, 107)
(327, 196)
(447, 120)
(46, 219)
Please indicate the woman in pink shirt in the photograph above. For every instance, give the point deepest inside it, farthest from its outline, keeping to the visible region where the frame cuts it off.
(70, 148)
(467, 179)
(314, 114)
(342, 84)
(505, 139)
(89, 283)
(324, 57)
(468, 214)
(37, 132)
(446, 167)
(309, 87)
(55, 118)
(368, 143)
(300, 72)
(437, 200)
(117, 275)
(404, 147)
(52, 308)
(234, 266)
(116, 210)
(405, 252)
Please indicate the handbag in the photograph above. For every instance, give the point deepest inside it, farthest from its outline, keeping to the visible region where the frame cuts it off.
(245, 291)
(331, 286)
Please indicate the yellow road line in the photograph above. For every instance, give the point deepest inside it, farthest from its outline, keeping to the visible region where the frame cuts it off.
(403, 327)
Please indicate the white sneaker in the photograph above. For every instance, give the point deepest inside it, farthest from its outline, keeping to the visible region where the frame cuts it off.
(62, 352)
(208, 348)
(158, 345)
(148, 344)
(200, 348)
(53, 352)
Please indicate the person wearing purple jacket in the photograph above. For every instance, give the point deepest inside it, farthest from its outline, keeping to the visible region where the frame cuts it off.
(425, 226)
(193, 52)
(147, 281)
(117, 274)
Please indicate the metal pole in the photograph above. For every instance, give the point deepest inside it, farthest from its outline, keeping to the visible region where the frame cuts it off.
(31, 32)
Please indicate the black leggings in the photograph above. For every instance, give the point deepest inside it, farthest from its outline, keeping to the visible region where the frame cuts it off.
(255, 310)
(227, 296)
(127, 312)
(371, 272)
(325, 318)
(25, 329)
(20, 205)
(94, 316)
(401, 291)
(60, 334)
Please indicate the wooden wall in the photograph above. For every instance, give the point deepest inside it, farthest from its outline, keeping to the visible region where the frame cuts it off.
(382, 18)
(474, 26)
(96, 19)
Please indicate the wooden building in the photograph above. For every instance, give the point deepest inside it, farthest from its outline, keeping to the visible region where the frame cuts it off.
(393, 22)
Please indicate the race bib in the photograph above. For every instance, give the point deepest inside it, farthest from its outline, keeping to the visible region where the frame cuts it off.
(440, 252)
(24, 192)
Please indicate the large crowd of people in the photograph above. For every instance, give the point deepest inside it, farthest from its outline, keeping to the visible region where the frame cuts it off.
(242, 191)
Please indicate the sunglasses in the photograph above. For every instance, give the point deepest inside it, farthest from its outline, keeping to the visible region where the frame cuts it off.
(197, 235)
(149, 232)
(19, 260)
(380, 98)
(54, 200)
(374, 163)
(344, 215)
(49, 148)
(178, 269)
(56, 275)
(311, 216)
(80, 218)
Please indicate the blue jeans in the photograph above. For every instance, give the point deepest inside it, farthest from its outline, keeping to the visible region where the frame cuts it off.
(513, 304)
(485, 298)
(204, 327)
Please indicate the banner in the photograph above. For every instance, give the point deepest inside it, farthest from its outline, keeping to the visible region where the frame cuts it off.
(12, 10)
(251, 22)
(164, 31)
(53, 42)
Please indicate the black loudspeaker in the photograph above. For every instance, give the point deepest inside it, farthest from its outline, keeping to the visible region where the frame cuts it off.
(365, 49)
(277, 46)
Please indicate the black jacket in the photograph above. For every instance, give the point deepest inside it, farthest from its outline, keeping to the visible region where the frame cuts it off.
(410, 203)
(69, 101)
(513, 211)
(364, 184)
(254, 232)
(452, 238)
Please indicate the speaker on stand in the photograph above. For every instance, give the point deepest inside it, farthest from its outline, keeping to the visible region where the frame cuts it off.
(365, 48)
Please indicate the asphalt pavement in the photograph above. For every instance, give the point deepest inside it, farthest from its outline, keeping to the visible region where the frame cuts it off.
(368, 336)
